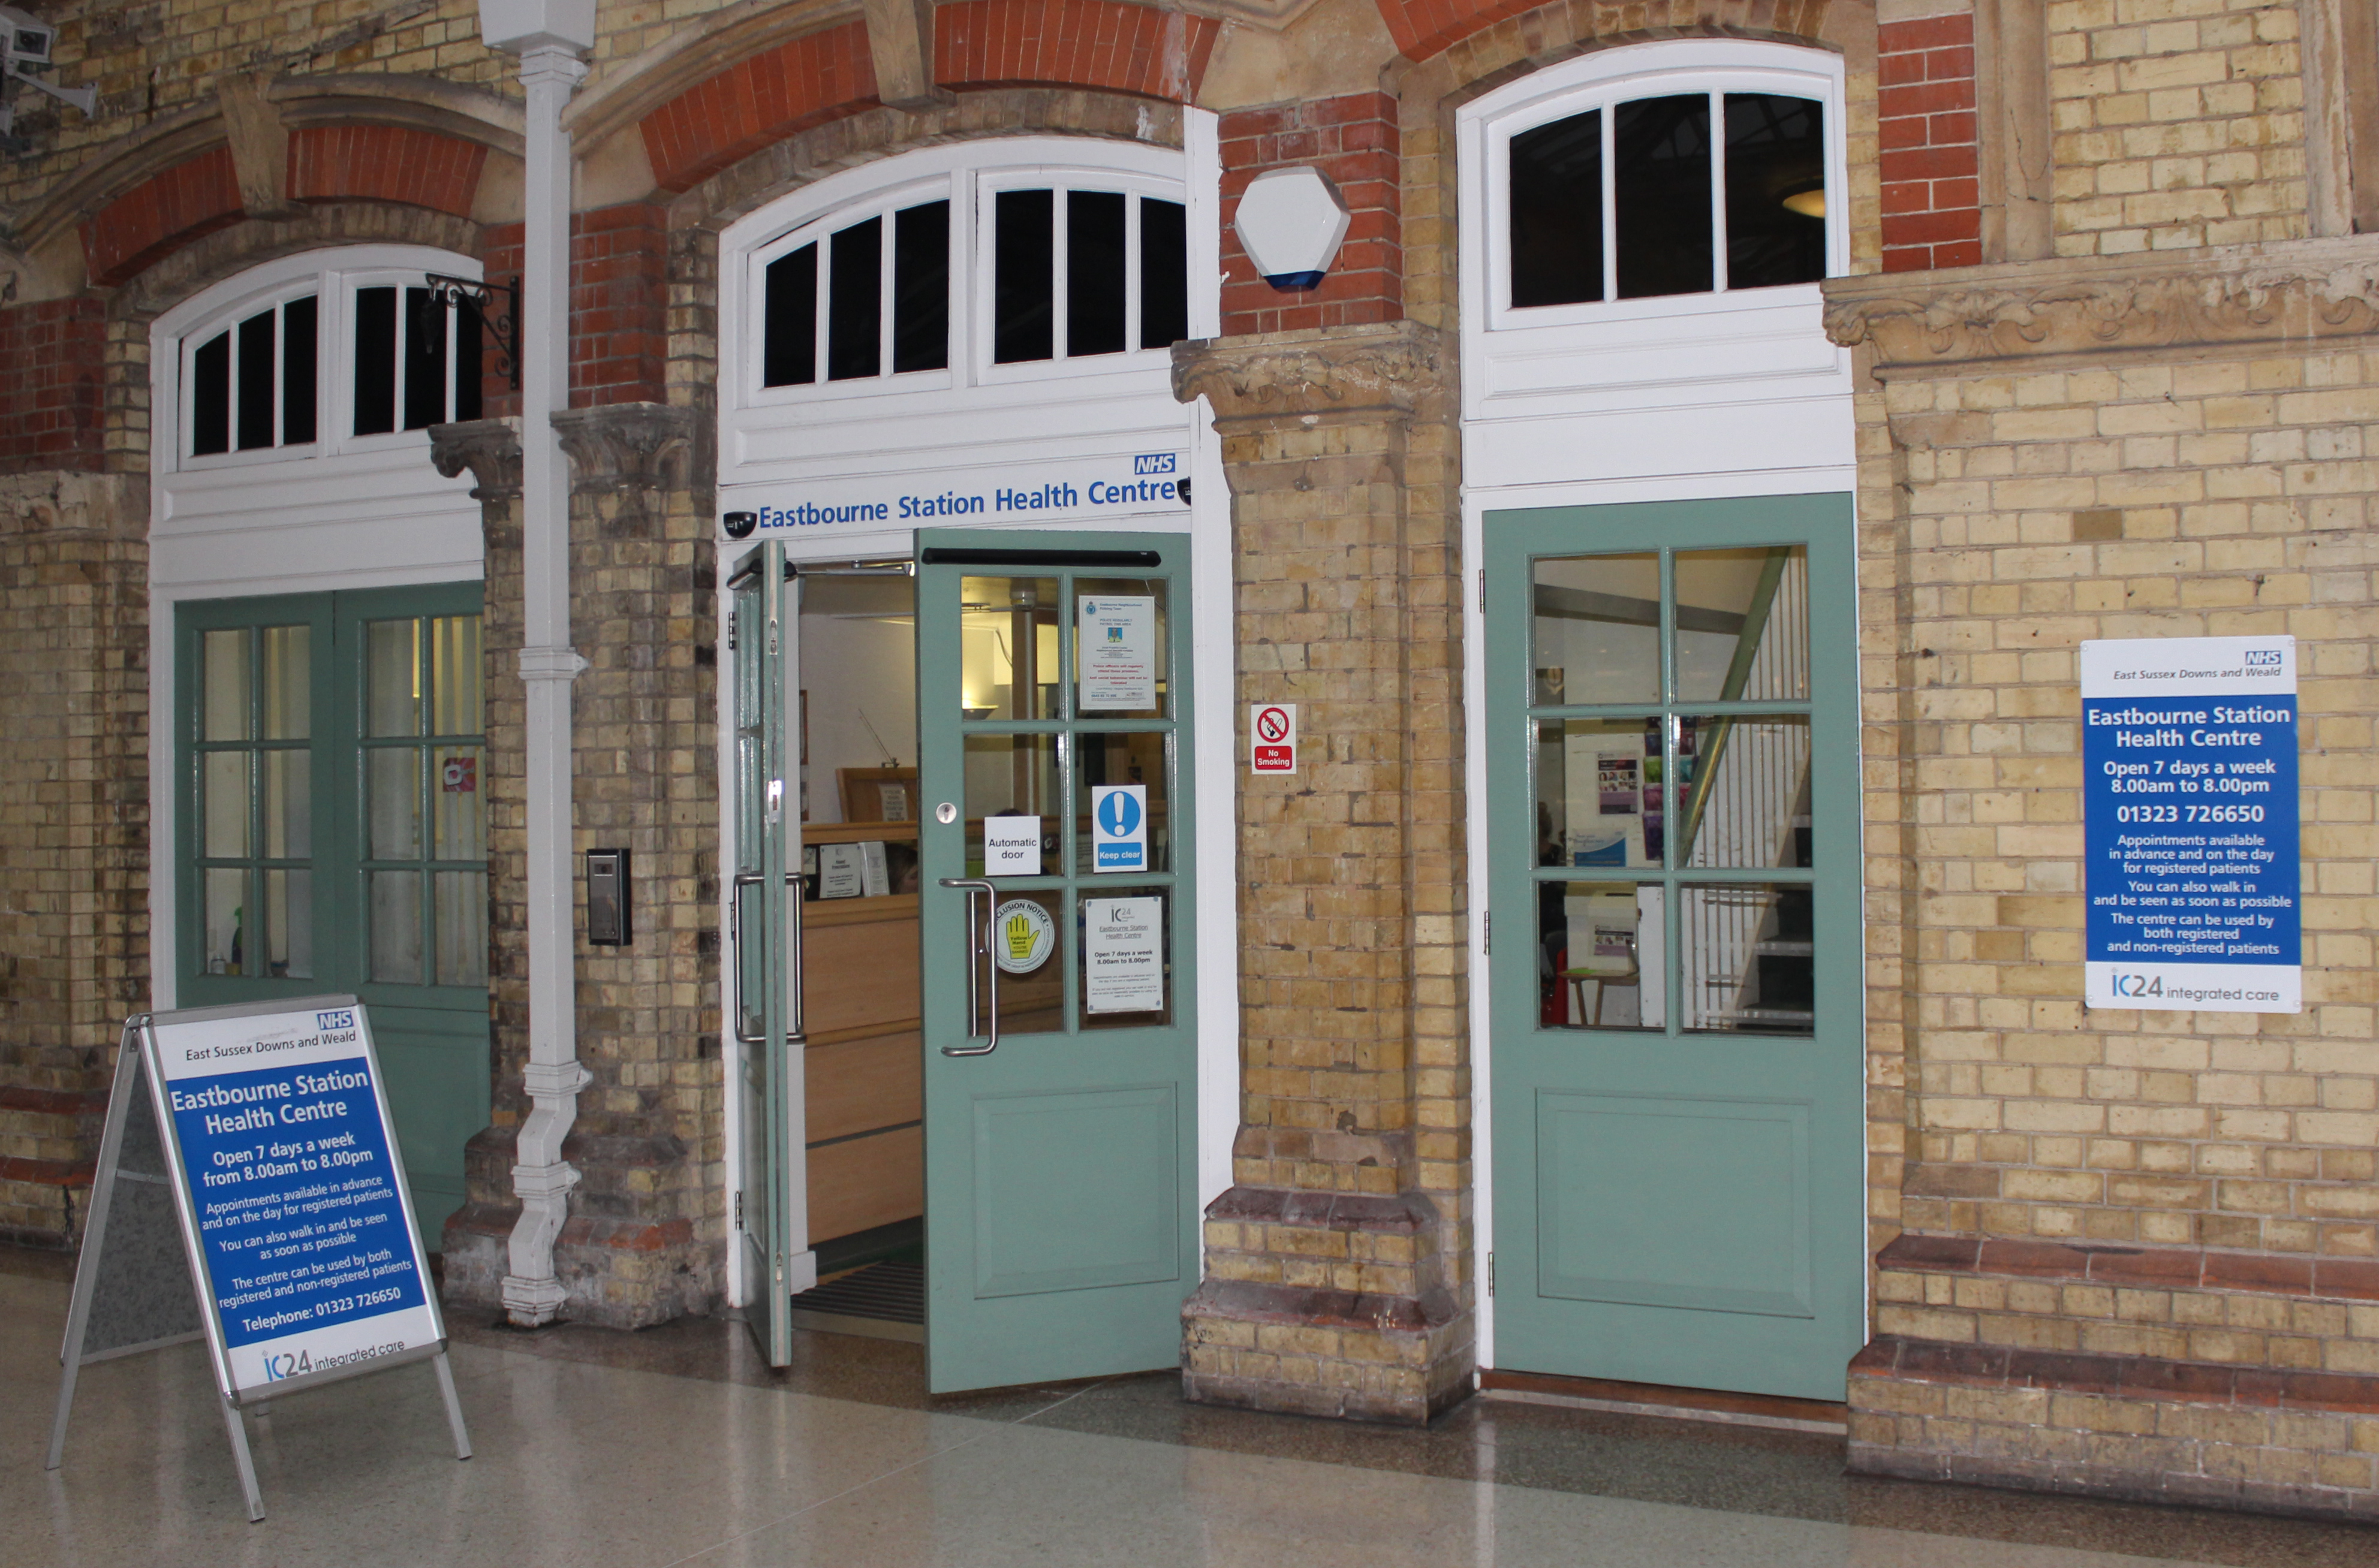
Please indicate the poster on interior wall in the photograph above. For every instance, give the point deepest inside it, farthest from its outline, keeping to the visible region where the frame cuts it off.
(2188, 754)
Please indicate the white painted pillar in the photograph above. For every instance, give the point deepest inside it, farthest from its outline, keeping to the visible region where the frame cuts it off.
(550, 70)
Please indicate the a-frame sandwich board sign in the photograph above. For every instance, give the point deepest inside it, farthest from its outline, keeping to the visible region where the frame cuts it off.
(266, 1143)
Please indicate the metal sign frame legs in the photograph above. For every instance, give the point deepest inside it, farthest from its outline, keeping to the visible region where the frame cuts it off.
(169, 1238)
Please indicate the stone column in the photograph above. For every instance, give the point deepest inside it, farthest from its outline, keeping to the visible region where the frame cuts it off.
(1335, 1264)
(74, 829)
(644, 1240)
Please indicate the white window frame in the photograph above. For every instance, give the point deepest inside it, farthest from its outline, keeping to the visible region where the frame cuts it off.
(969, 174)
(1603, 80)
(332, 277)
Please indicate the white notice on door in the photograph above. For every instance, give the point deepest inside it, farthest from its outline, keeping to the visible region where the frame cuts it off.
(842, 873)
(1012, 846)
(1123, 955)
(1115, 640)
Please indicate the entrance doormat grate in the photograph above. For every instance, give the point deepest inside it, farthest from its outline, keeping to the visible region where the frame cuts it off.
(881, 1301)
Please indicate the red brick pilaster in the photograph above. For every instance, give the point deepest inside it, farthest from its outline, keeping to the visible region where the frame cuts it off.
(619, 306)
(49, 403)
(1932, 193)
(1353, 139)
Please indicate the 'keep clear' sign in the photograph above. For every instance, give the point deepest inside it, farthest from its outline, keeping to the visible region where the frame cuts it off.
(281, 1143)
(2188, 750)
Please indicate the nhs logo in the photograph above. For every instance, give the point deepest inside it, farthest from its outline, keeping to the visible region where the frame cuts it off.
(1153, 462)
(2263, 658)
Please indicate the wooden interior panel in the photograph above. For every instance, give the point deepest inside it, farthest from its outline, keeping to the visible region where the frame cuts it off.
(859, 1085)
(865, 1182)
(861, 975)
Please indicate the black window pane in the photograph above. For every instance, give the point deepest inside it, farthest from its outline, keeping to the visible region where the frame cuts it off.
(1662, 148)
(424, 360)
(375, 361)
(1094, 277)
(469, 365)
(1021, 315)
(788, 335)
(256, 336)
(921, 288)
(1775, 190)
(1163, 274)
(210, 396)
(1556, 207)
(297, 361)
(854, 302)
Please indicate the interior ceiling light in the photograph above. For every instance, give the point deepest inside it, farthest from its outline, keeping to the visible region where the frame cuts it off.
(1809, 203)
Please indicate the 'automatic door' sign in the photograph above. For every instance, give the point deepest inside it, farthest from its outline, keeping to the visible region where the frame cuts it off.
(2189, 751)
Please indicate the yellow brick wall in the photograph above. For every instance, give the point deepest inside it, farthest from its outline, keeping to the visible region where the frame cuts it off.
(2214, 495)
(2178, 123)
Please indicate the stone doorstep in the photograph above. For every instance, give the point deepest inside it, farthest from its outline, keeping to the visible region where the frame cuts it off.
(1246, 1301)
(2148, 1379)
(2169, 1268)
(1404, 1215)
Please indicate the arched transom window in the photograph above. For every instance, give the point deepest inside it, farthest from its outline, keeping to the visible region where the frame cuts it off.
(1660, 171)
(977, 268)
(325, 359)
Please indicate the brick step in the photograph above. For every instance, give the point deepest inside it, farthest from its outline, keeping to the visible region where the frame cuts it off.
(2134, 1268)
(49, 1146)
(50, 1124)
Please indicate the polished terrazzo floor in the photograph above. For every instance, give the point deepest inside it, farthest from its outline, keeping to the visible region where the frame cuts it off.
(676, 1446)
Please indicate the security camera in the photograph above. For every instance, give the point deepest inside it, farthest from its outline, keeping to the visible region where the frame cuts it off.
(27, 40)
(25, 43)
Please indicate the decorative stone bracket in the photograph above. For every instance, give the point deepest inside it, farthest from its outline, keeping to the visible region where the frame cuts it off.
(1306, 376)
(2297, 291)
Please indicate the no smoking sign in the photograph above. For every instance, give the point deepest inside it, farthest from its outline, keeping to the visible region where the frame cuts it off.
(1272, 737)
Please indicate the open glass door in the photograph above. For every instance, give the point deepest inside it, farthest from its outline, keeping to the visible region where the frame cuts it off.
(1053, 696)
(765, 999)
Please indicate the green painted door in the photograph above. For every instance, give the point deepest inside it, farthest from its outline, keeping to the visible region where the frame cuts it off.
(1053, 698)
(1674, 955)
(330, 807)
(763, 646)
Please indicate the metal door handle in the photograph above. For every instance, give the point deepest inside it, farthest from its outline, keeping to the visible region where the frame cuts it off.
(977, 947)
(735, 905)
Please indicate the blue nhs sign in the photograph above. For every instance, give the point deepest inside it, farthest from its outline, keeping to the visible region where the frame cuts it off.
(1152, 463)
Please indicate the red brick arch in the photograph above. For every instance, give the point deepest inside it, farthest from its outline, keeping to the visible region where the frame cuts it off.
(1423, 28)
(341, 163)
(1107, 46)
(162, 214)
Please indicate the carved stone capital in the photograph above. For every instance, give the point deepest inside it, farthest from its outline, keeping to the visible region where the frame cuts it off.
(60, 504)
(490, 449)
(1398, 367)
(2296, 291)
(627, 449)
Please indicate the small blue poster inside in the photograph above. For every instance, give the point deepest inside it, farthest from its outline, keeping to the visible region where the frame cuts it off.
(2189, 752)
(290, 1183)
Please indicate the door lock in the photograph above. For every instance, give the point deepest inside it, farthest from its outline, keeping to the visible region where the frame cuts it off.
(946, 813)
